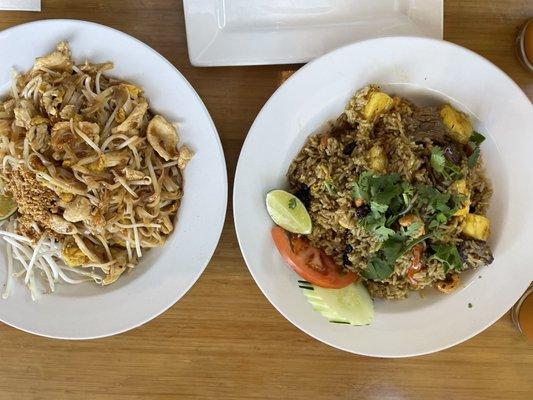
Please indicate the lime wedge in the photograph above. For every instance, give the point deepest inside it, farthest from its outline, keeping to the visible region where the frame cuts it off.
(287, 211)
(7, 206)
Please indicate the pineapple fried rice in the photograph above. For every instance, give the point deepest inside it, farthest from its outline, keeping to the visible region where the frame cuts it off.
(396, 193)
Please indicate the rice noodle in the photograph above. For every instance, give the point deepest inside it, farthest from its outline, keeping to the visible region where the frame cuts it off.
(111, 138)
(14, 78)
(127, 143)
(73, 128)
(123, 182)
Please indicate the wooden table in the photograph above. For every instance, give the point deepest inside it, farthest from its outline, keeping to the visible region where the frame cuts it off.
(224, 339)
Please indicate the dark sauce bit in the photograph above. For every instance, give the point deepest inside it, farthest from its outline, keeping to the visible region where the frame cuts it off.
(304, 194)
(362, 211)
(345, 260)
(453, 154)
(349, 148)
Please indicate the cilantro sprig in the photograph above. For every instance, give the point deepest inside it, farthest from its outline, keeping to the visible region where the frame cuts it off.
(377, 189)
(443, 166)
(448, 255)
(381, 264)
(475, 141)
(389, 198)
(438, 206)
(412, 230)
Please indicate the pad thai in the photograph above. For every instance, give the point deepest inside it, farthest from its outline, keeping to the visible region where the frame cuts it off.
(90, 177)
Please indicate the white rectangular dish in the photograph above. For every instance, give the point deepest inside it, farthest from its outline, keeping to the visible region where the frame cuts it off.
(20, 5)
(253, 32)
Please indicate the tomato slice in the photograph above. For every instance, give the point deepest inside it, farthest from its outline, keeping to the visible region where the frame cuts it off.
(310, 263)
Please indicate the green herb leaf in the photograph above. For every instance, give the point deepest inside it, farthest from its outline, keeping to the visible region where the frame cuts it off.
(383, 233)
(384, 188)
(361, 189)
(383, 193)
(408, 189)
(408, 195)
(440, 217)
(441, 165)
(330, 187)
(414, 242)
(448, 255)
(437, 159)
(381, 265)
(477, 138)
(396, 206)
(433, 224)
(378, 188)
(413, 229)
(357, 192)
(475, 141)
(377, 269)
(472, 159)
(452, 172)
(433, 199)
(389, 198)
(392, 248)
(437, 207)
(377, 208)
(444, 204)
(292, 203)
(377, 226)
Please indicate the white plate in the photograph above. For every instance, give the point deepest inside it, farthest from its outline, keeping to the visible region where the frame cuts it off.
(247, 32)
(427, 70)
(164, 275)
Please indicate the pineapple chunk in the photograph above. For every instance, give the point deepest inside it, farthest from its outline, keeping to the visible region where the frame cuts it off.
(460, 187)
(378, 159)
(463, 211)
(476, 227)
(378, 102)
(457, 122)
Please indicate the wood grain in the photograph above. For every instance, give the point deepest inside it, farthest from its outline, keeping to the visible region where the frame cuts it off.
(223, 339)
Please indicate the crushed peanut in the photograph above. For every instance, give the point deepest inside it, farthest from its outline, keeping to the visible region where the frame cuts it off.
(35, 201)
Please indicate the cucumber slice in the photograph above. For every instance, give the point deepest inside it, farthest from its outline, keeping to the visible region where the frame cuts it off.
(352, 304)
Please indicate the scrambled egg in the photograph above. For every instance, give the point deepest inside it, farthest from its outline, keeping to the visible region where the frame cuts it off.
(73, 256)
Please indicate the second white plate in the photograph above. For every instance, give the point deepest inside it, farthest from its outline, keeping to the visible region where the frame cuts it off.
(423, 70)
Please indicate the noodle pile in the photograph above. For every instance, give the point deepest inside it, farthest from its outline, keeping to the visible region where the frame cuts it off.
(96, 177)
